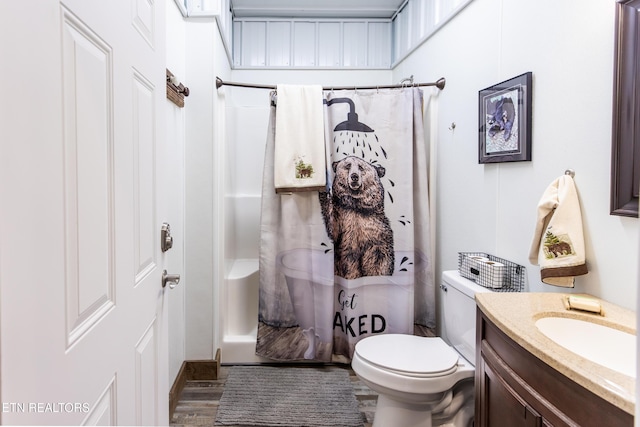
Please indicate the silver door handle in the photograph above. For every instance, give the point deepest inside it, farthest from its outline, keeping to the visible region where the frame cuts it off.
(171, 279)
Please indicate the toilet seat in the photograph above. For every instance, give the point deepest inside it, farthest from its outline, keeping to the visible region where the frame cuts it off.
(408, 355)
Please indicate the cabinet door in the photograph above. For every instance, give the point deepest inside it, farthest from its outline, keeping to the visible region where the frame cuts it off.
(503, 406)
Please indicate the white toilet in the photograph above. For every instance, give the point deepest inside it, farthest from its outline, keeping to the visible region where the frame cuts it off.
(425, 381)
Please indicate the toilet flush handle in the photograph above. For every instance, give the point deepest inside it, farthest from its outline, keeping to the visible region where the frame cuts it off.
(443, 287)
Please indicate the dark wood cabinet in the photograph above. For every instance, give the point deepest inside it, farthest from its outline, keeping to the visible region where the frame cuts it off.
(504, 406)
(515, 388)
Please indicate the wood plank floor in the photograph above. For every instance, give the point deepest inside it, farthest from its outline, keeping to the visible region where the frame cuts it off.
(199, 400)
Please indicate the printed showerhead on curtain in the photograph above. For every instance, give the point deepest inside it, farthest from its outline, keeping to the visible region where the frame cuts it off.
(353, 207)
(351, 260)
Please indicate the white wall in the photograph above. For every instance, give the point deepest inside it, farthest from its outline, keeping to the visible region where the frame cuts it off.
(205, 58)
(175, 126)
(492, 208)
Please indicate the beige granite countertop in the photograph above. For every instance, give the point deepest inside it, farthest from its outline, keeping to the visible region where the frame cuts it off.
(515, 314)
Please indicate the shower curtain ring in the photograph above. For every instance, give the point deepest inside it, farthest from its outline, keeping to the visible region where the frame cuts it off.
(404, 81)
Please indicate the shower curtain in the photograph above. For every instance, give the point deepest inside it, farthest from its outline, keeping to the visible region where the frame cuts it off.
(354, 260)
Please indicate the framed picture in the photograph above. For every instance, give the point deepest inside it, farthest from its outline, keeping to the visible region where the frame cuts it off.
(505, 121)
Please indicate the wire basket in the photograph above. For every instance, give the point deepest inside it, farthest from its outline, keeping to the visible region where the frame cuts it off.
(492, 272)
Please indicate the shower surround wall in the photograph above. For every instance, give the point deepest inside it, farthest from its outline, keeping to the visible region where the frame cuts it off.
(242, 165)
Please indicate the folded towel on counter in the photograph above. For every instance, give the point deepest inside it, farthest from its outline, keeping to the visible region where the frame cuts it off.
(558, 241)
(299, 162)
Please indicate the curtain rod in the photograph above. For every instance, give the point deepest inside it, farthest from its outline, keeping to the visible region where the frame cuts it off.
(439, 84)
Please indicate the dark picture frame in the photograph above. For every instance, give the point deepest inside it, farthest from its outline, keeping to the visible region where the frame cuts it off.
(505, 121)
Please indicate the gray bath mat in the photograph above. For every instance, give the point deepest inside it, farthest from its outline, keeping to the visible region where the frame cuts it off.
(288, 396)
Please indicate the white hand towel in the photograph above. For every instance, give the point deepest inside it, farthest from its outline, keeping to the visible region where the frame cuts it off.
(299, 162)
(558, 241)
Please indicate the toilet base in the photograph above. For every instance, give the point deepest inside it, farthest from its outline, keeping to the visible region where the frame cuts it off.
(390, 412)
(454, 409)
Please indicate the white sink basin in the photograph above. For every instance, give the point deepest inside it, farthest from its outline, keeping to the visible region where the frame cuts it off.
(600, 344)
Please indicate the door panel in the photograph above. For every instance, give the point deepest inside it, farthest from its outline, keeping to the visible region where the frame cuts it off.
(104, 410)
(144, 178)
(88, 176)
(146, 378)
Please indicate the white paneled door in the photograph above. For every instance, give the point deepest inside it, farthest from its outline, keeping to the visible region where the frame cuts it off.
(83, 326)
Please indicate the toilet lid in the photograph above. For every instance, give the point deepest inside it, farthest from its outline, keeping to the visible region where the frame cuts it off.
(409, 354)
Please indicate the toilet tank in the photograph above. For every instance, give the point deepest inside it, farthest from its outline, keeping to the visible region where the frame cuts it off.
(457, 295)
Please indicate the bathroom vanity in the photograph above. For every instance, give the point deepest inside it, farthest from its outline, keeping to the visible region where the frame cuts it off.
(524, 378)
